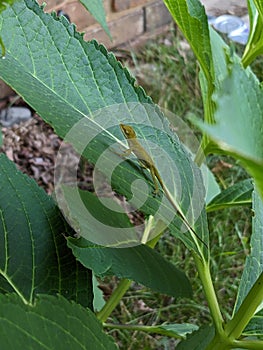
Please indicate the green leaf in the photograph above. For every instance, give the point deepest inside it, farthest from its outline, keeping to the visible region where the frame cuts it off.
(239, 120)
(254, 45)
(141, 264)
(254, 262)
(102, 223)
(51, 323)
(219, 56)
(197, 340)
(176, 330)
(220, 66)
(212, 186)
(97, 11)
(34, 257)
(98, 300)
(3, 6)
(191, 18)
(237, 194)
(255, 326)
(85, 94)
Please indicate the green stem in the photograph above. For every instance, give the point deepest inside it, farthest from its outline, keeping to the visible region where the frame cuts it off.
(224, 343)
(235, 327)
(114, 300)
(249, 344)
(219, 343)
(205, 276)
(250, 56)
(147, 329)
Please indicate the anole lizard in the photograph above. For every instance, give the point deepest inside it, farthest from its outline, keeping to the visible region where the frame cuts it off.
(142, 155)
(147, 162)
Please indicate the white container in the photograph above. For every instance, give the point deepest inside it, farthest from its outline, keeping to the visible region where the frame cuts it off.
(239, 35)
(235, 28)
(227, 23)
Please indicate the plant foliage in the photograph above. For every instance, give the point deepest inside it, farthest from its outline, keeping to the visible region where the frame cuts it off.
(84, 93)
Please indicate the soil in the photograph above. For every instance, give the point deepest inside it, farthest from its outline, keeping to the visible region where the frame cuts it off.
(33, 145)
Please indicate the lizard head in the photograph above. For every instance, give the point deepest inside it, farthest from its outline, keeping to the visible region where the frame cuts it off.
(128, 131)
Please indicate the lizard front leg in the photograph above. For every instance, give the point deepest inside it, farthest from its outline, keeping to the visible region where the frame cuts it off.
(155, 181)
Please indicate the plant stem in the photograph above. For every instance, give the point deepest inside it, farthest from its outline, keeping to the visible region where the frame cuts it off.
(147, 329)
(219, 343)
(114, 300)
(205, 276)
(250, 54)
(235, 327)
(223, 343)
(249, 344)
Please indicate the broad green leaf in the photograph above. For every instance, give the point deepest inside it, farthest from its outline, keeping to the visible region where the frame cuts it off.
(220, 66)
(3, 5)
(254, 262)
(84, 93)
(254, 45)
(213, 188)
(51, 323)
(97, 11)
(141, 264)
(237, 194)
(219, 50)
(198, 340)
(255, 326)
(34, 257)
(102, 223)
(191, 18)
(246, 312)
(98, 300)
(239, 121)
(175, 330)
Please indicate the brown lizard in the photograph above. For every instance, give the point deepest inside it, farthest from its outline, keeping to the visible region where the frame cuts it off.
(147, 162)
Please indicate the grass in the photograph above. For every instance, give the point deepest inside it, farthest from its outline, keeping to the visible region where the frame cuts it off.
(168, 71)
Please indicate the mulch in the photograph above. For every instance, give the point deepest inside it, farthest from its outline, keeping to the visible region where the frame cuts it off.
(33, 147)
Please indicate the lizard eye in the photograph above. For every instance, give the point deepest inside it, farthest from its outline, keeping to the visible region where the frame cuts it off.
(126, 132)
